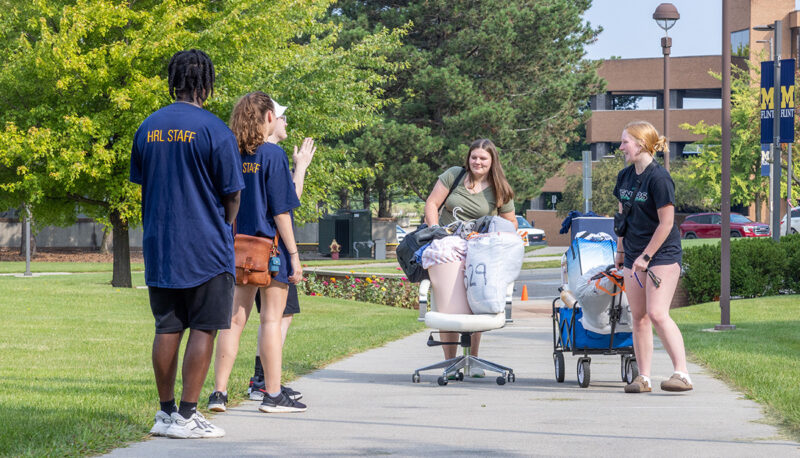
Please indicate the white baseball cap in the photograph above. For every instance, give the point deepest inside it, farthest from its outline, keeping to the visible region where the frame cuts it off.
(279, 109)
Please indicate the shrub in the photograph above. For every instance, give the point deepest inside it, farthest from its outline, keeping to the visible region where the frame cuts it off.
(395, 292)
(701, 265)
(759, 267)
(791, 247)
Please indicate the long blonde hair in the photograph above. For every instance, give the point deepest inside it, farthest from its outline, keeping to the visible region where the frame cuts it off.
(647, 137)
(497, 178)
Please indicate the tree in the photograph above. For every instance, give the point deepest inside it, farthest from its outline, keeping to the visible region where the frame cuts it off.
(747, 184)
(79, 76)
(512, 71)
(604, 178)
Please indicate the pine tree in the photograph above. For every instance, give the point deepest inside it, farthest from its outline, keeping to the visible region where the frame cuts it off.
(511, 71)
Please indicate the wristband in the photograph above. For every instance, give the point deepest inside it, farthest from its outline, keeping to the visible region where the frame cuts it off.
(292, 254)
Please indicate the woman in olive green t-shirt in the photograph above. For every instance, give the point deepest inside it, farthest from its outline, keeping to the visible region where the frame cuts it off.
(482, 191)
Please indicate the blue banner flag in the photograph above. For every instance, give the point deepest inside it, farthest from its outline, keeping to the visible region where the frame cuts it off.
(768, 98)
(765, 159)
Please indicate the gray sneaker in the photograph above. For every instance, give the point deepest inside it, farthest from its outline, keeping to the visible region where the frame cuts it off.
(217, 401)
(163, 420)
(195, 427)
(281, 403)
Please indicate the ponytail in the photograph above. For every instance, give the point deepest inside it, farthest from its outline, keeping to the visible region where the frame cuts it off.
(647, 137)
(661, 146)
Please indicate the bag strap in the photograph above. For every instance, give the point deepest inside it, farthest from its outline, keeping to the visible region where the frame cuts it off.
(275, 251)
(614, 279)
(453, 187)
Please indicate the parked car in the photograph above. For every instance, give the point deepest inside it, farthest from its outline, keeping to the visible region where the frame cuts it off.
(534, 236)
(795, 224)
(401, 233)
(707, 225)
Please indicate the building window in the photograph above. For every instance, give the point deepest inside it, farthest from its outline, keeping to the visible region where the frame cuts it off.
(740, 43)
(549, 201)
(697, 148)
(634, 102)
(701, 103)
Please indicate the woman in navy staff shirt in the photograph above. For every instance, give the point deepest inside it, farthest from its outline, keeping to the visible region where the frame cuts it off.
(266, 208)
(651, 253)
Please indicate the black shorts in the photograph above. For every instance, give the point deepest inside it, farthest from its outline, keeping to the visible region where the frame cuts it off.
(206, 307)
(292, 301)
(664, 256)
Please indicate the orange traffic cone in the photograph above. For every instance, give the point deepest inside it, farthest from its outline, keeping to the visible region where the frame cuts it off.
(524, 293)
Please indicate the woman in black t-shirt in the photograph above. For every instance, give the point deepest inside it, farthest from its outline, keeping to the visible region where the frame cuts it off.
(651, 254)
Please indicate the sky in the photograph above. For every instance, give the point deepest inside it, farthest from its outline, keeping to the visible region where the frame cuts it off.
(629, 30)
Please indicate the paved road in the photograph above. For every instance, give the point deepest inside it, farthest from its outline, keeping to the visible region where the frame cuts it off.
(542, 283)
(367, 405)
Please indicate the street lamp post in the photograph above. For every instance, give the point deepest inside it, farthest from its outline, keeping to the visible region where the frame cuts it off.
(666, 15)
(725, 200)
(767, 42)
(27, 230)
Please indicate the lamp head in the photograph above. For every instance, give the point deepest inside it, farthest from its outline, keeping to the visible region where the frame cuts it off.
(764, 28)
(666, 15)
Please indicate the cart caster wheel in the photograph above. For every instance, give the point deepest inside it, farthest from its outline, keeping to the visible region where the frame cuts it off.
(633, 370)
(441, 381)
(501, 380)
(460, 376)
(558, 362)
(623, 369)
(415, 378)
(511, 377)
(583, 372)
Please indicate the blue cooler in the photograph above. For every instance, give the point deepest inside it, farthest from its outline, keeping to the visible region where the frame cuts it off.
(584, 254)
(593, 224)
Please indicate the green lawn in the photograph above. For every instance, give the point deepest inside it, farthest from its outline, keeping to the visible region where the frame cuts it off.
(697, 242)
(541, 264)
(76, 371)
(530, 248)
(7, 267)
(759, 358)
(344, 262)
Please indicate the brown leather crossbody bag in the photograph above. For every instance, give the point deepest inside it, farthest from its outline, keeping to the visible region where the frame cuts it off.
(252, 259)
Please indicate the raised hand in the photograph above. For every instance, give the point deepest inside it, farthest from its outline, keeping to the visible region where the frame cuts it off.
(302, 157)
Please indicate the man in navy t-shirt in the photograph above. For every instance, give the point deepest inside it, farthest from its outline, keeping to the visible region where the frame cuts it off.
(187, 161)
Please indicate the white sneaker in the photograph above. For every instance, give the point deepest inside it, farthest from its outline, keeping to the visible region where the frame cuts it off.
(196, 427)
(476, 372)
(163, 420)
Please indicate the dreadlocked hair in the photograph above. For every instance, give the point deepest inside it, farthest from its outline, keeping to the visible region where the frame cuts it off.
(191, 73)
(248, 121)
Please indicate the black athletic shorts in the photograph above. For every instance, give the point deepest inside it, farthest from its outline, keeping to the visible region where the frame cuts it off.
(206, 307)
(292, 301)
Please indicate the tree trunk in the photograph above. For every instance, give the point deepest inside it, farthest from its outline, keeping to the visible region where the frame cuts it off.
(344, 199)
(108, 240)
(25, 236)
(758, 206)
(365, 198)
(122, 252)
(384, 202)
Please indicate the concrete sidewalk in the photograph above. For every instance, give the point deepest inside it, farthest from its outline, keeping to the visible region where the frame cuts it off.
(367, 405)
